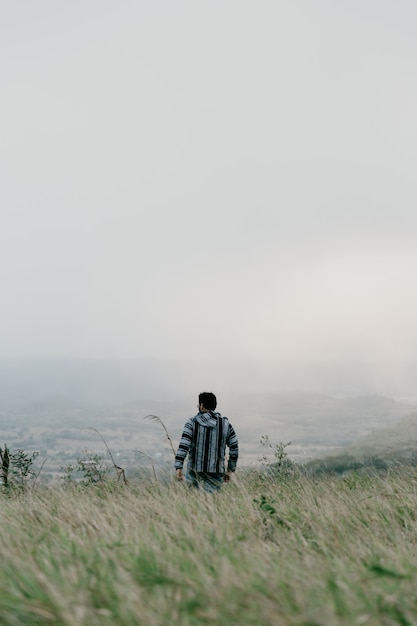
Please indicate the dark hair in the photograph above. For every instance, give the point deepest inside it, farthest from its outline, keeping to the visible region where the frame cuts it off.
(208, 399)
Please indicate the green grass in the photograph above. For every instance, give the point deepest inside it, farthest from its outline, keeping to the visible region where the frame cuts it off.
(302, 551)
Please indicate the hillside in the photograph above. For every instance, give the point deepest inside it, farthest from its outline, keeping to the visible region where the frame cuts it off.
(398, 441)
(382, 447)
(260, 553)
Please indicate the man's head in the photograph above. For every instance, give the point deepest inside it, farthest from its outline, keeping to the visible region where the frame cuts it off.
(208, 400)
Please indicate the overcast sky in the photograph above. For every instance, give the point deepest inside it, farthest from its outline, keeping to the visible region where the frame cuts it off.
(182, 178)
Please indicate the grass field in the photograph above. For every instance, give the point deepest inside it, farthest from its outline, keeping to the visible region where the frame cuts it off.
(298, 551)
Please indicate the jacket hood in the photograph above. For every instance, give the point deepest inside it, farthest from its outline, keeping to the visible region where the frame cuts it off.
(208, 419)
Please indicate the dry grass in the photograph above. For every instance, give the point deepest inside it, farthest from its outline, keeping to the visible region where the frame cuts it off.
(303, 551)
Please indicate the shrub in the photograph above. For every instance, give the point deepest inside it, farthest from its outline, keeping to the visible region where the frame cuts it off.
(17, 467)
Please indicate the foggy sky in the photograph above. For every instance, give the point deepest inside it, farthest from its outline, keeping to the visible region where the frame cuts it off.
(208, 178)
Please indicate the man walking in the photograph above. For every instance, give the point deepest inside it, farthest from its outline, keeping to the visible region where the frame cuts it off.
(204, 439)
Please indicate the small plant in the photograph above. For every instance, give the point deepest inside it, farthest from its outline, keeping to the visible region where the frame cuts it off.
(282, 465)
(119, 470)
(266, 505)
(68, 477)
(91, 466)
(17, 467)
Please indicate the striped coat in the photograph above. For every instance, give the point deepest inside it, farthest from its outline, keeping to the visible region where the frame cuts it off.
(204, 439)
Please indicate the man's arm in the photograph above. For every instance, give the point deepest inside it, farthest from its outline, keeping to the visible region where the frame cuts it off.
(183, 448)
(233, 445)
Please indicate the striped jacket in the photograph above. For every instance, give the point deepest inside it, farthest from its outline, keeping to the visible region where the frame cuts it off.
(204, 439)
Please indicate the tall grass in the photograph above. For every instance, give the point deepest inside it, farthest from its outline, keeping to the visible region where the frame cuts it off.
(299, 551)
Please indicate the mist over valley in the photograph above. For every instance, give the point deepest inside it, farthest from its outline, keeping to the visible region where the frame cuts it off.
(64, 407)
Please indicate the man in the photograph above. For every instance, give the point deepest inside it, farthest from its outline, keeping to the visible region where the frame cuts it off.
(204, 439)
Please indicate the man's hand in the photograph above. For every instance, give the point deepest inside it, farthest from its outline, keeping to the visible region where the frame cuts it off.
(180, 475)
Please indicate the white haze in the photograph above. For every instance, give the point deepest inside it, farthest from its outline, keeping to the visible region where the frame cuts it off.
(229, 180)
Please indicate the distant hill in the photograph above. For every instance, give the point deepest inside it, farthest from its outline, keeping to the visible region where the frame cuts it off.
(312, 418)
(384, 442)
(383, 447)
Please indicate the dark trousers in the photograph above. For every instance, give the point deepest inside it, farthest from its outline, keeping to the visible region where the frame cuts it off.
(208, 481)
